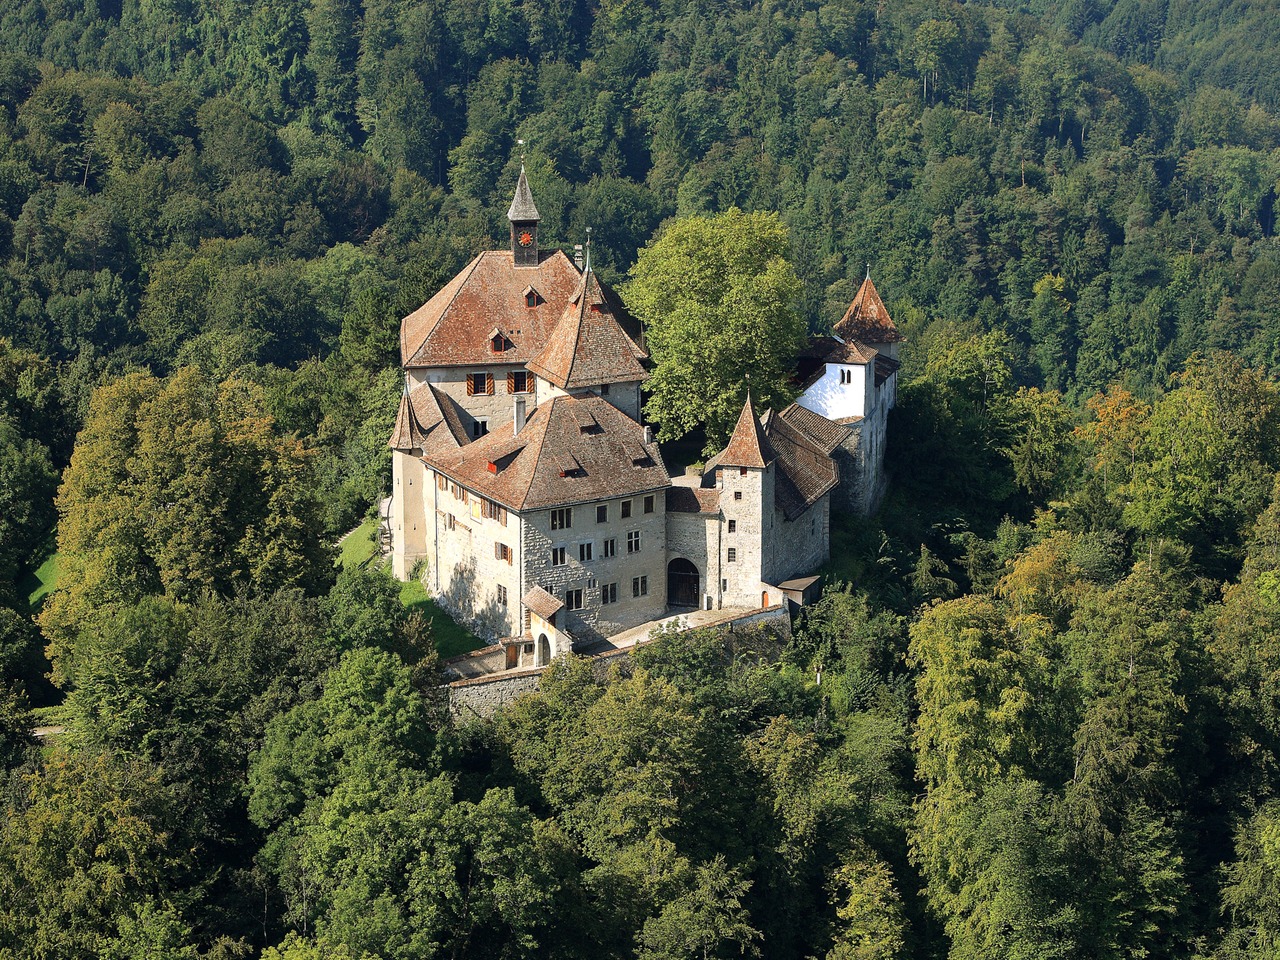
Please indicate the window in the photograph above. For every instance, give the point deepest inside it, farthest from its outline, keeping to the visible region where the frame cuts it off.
(604, 389)
(724, 584)
(584, 551)
(626, 509)
(609, 593)
(633, 541)
(558, 558)
(498, 343)
(450, 522)
(639, 586)
(609, 548)
(737, 494)
(562, 519)
(742, 471)
(531, 298)
(602, 513)
(846, 376)
(518, 381)
(733, 526)
(492, 511)
(502, 596)
(441, 483)
(733, 555)
(573, 599)
(648, 504)
(479, 383)
(479, 429)
(502, 552)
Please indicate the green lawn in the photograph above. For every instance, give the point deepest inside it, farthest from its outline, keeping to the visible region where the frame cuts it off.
(41, 583)
(451, 639)
(361, 546)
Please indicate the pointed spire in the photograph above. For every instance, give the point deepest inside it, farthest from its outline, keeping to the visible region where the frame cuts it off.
(867, 320)
(748, 447)
(522, 208)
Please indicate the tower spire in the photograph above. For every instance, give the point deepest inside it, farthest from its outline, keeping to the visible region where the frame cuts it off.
(524, 219)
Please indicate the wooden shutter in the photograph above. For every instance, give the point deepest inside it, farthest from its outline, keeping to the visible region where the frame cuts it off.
(471, 384)
(511, 382)
(488, 383)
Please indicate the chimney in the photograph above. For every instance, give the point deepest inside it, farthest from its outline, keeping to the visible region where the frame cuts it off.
(648, 434)
(519, 415)
(577, 256)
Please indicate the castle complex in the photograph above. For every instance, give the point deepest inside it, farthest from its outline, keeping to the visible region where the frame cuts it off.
(526, 483)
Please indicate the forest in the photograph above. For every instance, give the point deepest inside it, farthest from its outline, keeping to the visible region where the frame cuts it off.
(1036, 713)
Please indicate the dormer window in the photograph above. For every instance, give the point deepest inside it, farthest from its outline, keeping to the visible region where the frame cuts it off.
(531, 298)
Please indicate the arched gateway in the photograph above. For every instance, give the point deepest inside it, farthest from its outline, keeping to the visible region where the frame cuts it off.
(682, 583)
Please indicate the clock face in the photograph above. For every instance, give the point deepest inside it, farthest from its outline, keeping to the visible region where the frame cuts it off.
(525, 238)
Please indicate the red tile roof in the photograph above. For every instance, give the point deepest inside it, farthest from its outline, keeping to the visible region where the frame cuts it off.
(867, 319)
(805, 471)
(681, 499)
(427, 420)
(571, 450)
(748, 446)
(544, 604)
(453, 327)
(588, 347)
(827, 434)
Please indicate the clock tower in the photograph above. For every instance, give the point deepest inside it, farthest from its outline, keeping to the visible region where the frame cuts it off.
(524, 225)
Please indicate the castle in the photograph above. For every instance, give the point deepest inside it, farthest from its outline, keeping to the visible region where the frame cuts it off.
(525, 481)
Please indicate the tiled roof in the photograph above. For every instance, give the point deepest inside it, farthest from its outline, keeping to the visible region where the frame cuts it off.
(827, 434)
(522, 207)
(453, 327)
(748, 446)
(885, 368)
(588, 347)
(805, 471)
(539, 601)
(867, 320)
(681, 499)
(833, 350)
(428, 420)
(571, 450)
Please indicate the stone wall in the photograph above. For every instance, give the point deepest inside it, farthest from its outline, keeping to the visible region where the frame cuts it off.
(468, 571)
(696, 537)
(742, 578)
(596, 619)
(482, 697)
(799, 547)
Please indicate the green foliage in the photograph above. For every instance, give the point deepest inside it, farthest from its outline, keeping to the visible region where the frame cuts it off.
(717, 298)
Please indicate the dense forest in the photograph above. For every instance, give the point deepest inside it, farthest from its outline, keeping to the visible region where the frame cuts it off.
(1036, 713)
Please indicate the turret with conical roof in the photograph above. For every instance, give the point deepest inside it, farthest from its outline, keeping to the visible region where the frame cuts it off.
(748, 447)
(524, 219)
(867, 320)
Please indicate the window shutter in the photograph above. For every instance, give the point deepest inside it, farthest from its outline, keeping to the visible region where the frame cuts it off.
(488, 383)
(511, 382)
(471, 384)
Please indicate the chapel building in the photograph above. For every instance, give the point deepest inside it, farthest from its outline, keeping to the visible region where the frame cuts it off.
(535, 504)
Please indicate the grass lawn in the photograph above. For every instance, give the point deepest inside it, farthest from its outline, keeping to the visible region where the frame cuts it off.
(451, 639)
(40, 584)
(361, 546)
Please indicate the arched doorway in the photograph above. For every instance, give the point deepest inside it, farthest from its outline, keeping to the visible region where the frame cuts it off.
(543, 656)
(682, 583)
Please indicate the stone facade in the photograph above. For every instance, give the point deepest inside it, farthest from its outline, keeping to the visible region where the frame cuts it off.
(513, 500)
